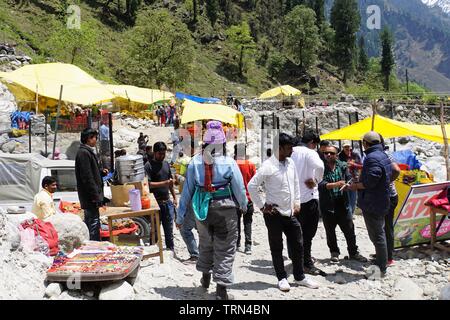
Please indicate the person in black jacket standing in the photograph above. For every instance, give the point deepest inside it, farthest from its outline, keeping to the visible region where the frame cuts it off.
(89, 182)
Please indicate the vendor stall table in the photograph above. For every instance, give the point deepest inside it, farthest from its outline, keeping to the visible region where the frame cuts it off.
(155, 231)
(434, 211)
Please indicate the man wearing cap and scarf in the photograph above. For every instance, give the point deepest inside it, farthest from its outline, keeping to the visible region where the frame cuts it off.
(373, 194)
(215, 186)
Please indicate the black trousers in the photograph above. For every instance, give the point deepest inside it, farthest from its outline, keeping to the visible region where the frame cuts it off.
(277, 225)
(92, 221)
(389, 227)
(248, 219)
(309, 221)
(339, 216)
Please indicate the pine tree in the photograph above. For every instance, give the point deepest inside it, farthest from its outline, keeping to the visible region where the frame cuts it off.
(345, 20)
(387, 56)
(319, 8)
(212, 10)
(363, 59)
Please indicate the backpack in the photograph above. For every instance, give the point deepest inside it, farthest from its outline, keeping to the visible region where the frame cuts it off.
(46, 230)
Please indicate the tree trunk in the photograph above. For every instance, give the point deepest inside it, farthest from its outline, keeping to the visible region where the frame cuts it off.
(74, 53)
(194, 3)
(241, 62)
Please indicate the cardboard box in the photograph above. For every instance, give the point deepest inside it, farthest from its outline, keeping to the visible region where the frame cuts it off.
(120, 196)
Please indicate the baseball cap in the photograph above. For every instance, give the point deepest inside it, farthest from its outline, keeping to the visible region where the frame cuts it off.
(346, 143)
(372, 137)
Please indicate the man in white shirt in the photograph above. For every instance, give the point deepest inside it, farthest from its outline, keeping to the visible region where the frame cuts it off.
(281, 204)
(310, 170)
(43, 205)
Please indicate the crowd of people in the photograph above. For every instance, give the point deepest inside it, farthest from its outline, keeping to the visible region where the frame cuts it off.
(301, 186)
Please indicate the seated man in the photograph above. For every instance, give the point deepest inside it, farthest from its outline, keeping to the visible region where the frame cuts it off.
(43, 205)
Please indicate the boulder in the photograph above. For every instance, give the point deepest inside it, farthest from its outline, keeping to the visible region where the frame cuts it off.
(445, 293)
(53, 290)
(72, 231)
(121, 290)
(9, 146)
(406, 289)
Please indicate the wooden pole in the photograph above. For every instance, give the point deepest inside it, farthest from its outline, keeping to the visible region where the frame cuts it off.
(296, 127)
(360, 142)
(58, 112)
(374, 112)
(392, 117)
(444, 134)
(317, 125)
(350, 123)
(339, 126)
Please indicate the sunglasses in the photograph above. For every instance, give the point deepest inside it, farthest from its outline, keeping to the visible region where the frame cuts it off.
(330, 153)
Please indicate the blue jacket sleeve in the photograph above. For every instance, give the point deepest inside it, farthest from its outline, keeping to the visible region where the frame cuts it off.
(187, 194)
(372, 175)
(237, 185)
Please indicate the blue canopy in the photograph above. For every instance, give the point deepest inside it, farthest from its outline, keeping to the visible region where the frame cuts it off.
(182, 96)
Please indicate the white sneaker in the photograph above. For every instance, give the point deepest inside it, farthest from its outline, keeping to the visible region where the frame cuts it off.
(308, 283)
(283, 285)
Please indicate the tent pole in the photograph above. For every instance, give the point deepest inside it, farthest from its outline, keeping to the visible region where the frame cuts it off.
(339, 126)
(56, 121)
(45, 131)
(29, 135)
(392, 117)
(262, 138)
(303, 123)
(350, 123)
(111, 142)
(296, 127)
(360, 142)
(374, 112)
(37, 100)
(246, 142)
(444, 134)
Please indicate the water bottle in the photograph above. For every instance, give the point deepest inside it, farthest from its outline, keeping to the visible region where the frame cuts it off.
(135, 199)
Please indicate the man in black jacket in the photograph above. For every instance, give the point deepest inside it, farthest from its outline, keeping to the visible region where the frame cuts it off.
(89, 182)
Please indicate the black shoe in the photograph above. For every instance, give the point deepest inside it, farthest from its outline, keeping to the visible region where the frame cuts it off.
(221, 293)
(358, 257)
(205, 280)
(315, 271)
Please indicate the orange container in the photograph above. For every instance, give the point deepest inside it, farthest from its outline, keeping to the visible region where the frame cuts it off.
(145, 203)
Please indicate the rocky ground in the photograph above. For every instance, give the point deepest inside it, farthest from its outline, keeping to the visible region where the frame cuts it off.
(418, 273)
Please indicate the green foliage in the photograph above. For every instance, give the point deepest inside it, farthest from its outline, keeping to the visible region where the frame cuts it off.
(387, 56)
(73, 45)
(302, 36)
(212, 9)
(363, 59)
(345, 20)
(275, 63)
(242, 44)
(160, 51)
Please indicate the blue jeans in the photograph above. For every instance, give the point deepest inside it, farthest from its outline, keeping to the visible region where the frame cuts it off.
(352, 200)
(186, 232)
(166, 217)
(92, 221)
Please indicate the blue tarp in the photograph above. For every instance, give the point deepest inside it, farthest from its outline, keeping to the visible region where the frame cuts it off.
(182, 96)
(18, 116)
(407, 157)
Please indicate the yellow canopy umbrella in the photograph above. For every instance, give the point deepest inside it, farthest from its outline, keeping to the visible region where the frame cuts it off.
(280, 91)
(139, 95)
(194, 111)
(388, 128)
(46, 79)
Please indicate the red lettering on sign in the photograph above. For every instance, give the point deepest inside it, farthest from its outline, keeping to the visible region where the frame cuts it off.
(415, 208)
